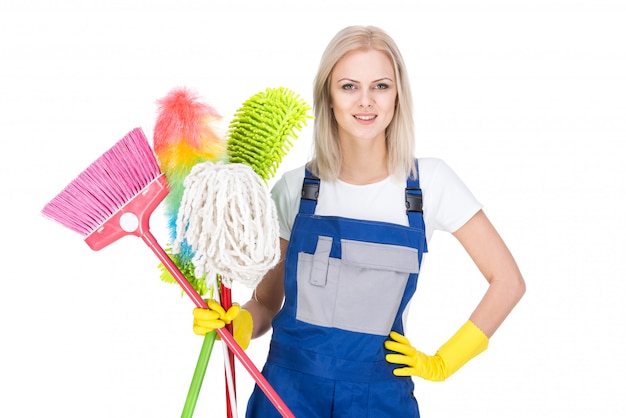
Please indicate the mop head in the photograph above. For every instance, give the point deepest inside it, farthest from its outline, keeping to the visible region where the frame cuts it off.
(262, 130)
(184, 135)
(229, 219)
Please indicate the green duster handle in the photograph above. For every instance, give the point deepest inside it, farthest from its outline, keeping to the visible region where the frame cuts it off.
(198, 375)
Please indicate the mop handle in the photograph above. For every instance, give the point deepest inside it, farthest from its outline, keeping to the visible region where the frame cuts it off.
(198, 375)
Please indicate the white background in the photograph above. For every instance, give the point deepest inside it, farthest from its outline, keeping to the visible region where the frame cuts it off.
(526, 100)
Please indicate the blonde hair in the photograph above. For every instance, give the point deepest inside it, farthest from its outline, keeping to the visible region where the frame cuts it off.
(400, 136)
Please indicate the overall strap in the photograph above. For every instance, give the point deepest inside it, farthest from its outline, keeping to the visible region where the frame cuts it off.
(414, 203)
(413, 197)
(310, 192)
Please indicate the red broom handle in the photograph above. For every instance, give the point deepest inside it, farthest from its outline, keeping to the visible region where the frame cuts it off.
(227, 302)
(224, 334)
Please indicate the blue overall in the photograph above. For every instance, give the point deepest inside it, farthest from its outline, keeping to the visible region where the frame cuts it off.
(347, 283)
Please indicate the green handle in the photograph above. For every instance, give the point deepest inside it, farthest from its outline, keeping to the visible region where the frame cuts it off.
(198, 375)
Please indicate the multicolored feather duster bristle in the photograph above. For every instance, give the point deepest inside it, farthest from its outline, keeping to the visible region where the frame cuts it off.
(184, 135)
(263, 128)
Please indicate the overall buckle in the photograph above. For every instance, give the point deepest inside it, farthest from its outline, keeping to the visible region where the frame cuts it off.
(310, 188)
(413, 199)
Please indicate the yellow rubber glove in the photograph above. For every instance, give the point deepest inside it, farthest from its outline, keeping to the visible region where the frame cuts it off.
(207, 320)
(468, 342)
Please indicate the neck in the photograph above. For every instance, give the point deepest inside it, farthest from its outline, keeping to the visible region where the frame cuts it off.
(363, 161)
(364, 169)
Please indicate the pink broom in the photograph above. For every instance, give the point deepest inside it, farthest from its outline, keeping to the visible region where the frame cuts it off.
(115, 197)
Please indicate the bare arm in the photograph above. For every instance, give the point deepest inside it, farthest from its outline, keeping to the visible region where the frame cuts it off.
(494, 260)
(268, 296)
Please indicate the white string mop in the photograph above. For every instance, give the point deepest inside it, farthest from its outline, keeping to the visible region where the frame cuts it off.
(229, 219)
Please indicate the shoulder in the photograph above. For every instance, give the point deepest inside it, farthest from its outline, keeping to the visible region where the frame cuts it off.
(448, 202)
(429, 166)
(290, 182)
(286, 195)
(436, 173)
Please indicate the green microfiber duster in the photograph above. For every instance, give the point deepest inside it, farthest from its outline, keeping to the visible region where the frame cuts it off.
(261, 132)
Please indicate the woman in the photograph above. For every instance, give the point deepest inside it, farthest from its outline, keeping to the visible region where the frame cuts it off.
(355, 222)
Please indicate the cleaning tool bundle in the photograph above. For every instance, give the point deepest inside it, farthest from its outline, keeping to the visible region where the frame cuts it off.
(115, 197)
(184, 135)
(226, 214)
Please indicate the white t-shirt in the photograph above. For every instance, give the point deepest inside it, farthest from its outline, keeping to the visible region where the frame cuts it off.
(447, 202)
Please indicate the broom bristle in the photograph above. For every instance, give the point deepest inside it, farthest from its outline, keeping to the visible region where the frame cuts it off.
(106, 185)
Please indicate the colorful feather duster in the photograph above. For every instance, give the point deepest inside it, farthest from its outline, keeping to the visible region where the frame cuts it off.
(184, 135)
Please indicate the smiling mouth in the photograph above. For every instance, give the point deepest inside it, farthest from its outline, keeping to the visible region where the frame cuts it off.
(362, 117)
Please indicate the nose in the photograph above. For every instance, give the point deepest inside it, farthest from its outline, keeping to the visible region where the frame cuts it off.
(365, 101)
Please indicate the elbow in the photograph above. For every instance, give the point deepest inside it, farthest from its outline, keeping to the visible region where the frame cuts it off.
(511, 286)
(518, 287)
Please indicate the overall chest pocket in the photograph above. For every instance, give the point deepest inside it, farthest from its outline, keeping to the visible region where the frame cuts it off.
(359, 292)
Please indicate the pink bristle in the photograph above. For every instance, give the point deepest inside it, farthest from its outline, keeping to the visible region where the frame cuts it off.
(106, 185)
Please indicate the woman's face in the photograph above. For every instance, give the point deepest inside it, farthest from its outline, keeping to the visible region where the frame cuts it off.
(363, 95)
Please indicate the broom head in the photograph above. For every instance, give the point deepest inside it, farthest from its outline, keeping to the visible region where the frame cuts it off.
(114, 196)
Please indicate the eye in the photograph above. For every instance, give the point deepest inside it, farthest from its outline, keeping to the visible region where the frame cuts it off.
(348, 86)
(381, 86)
